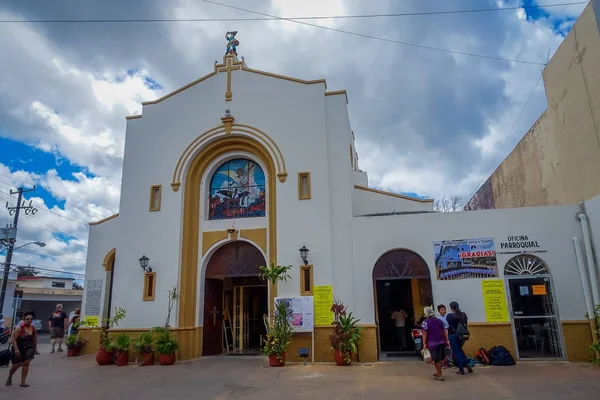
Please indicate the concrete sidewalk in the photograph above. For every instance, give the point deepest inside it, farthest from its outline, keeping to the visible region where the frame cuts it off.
(250, 378)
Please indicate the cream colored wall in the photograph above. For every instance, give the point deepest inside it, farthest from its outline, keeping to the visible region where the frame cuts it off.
(556, 162)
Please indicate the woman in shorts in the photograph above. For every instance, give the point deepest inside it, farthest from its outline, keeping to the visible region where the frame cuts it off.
(435, 339)
(24, 347)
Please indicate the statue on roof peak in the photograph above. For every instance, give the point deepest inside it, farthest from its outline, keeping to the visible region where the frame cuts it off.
(232, 43)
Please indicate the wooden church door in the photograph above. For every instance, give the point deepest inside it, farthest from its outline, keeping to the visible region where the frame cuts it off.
(212, 330)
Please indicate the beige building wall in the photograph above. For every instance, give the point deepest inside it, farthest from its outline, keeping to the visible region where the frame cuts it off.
(558, 160)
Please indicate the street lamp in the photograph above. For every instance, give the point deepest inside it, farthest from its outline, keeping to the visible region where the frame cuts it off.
(144, 264)
(38, 243)
(304, 254)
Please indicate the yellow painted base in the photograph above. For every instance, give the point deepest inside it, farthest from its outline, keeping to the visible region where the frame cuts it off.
(488, 336)
(189, 340)
(577, 340)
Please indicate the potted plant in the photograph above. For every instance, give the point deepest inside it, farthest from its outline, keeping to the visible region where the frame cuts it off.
(106, 354)
(346, 334)
(165, 345)
(279, 334)
(121, 344)
(74, 345)
(143, 347)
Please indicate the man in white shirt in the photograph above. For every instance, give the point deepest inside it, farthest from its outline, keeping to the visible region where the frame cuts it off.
(1, 321)
(399, 316)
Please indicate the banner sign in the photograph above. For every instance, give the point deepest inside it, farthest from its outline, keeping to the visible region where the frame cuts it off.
(465, 258)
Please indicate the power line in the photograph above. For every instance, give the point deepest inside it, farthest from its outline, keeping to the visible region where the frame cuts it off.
(52, 212)
(16, 266)
(315, 17)
(377, 37)
(50, 227)
(95, 209)
(507, 137)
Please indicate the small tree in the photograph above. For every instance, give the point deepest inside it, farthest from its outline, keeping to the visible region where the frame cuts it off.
(26, 271)
(77, 286)
(172, 297)
(275, 273)
(449, 204)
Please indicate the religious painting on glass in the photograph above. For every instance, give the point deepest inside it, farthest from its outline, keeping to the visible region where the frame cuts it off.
(237, 190)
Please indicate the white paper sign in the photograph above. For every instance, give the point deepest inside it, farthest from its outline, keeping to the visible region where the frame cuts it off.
(303, 317)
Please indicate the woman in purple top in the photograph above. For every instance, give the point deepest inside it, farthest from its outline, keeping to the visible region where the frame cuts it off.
(435, 339)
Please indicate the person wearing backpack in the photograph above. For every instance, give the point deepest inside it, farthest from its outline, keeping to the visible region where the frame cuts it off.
(458, 333)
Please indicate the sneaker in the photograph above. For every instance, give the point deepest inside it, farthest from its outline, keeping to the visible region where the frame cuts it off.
(60, 349)
(470, 369)
(52, 351)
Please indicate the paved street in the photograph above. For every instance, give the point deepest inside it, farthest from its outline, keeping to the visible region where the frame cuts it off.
(247, 378)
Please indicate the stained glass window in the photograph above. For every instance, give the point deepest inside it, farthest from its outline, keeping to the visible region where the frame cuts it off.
(237, 190)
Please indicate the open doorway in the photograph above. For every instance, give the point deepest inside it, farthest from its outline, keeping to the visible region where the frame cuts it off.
(402, 287)
(394, 299)
(235, 300)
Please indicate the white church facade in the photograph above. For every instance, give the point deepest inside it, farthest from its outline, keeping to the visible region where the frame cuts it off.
(242, 168)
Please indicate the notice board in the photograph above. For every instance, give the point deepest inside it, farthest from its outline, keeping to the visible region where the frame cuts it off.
(323, 303)
(494, 300)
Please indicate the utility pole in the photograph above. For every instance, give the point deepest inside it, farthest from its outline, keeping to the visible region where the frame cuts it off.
(28, 209)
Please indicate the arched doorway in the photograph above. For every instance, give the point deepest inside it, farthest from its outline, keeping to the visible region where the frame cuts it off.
(235, 299)
(401, 282)
(536, 324)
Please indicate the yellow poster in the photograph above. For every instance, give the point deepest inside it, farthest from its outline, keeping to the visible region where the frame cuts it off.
(494, 300)
(323, 298)
(91, 320)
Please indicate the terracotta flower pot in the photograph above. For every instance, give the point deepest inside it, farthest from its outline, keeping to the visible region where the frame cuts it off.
(104, 357)
(275, 362)
(73, 351)
(122, 358)
(340, 359)
(166, 359)
(148, 359)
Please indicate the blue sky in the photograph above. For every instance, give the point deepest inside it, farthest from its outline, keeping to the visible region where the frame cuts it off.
(66, 90)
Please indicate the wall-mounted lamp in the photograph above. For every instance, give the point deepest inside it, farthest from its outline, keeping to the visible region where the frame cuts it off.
(144, 264)
(304, 254)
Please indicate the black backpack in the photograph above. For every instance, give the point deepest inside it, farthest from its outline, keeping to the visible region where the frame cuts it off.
(4, 358)
(462, 332)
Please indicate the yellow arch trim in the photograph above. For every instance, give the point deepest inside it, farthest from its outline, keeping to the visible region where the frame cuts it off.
(109, 260)
(192, 201)
(200, 141)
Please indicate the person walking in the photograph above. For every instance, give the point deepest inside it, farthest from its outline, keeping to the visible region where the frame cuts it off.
(74, 322)
(435, 339)
(442, 311)
(58, 323)
(455, 318)
(399, 316)
(24, 347)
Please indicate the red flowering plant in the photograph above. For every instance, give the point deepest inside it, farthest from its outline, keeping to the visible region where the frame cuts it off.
(346, 333)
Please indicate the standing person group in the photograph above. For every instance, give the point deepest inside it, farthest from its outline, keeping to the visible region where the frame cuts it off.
(444, 333)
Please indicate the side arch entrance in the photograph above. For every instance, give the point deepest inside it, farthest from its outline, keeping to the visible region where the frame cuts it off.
(235, 299)
(402, 287)
(534, 315)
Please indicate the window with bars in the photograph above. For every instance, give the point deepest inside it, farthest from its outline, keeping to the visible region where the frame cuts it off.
(304, 186)
(155, 195)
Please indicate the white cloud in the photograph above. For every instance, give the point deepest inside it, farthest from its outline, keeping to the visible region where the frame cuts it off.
(425, 121)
